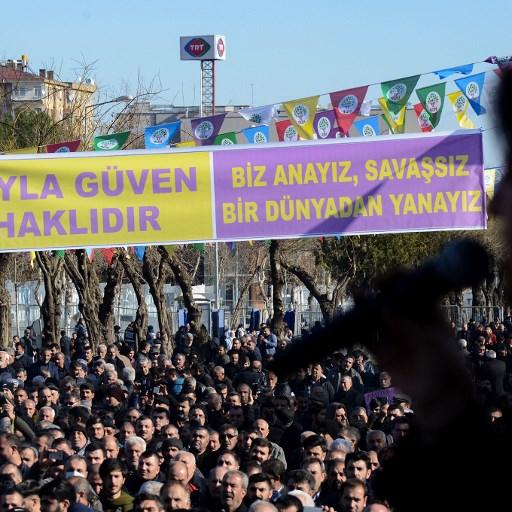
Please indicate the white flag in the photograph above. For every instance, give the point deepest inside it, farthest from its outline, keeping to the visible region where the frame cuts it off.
(366, 108)
(260, 115)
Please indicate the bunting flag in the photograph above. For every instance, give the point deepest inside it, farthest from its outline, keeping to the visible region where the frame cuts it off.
(32, 258)
(108, 254)
(432, 99)
(225, 139)
(186, 144)
(160, 136)
(63, 147)
(368, 127)
(301, 113)
(23, 151)
(112, 142)
(325, 125)
(347, 105)
(260, 115)
(395, 122)
(90, 253)
(230, 246)
(489, 182)
(205, 129)
(423, 118)
(286, 131)
(139, 251)
(460, 105)
(199, 248)
(257, 134)
(472, 87)
(366, 108)
(502, 62)
(59, 254)
(398, 92)
(171, 249)
(465, 69)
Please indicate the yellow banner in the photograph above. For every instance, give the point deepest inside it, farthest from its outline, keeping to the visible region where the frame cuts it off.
(82, 201)
(460, 106)
(302, 114)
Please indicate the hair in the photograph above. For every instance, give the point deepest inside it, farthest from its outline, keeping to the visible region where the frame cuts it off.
(274, 468)
(135, 440)
(59, 489)
(228, 452)
(313, 460)
(316, 440)
(109, 465)
(243, 477)
(287, 501)
(82, 485)
(262, 443)
(146, 496)
(94, 446)
(354, 483)
(264, 504)
(298, 476)
(260, 477)
(358, 456)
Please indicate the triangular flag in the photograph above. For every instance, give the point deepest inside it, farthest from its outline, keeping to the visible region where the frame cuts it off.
(186, 144)
(266, 243)
(160, 136)
(423, 118)
(112, 142)
(460, 105)
(301, 113)
(465, 69)
(139, 252)
(286, 131)
(472, 87)
(90, 253)
(395, 122)
(230, 246)
(368, 127)
(58, 254)
(108, 254)
(199, 248)
(432, 99)
(397, 92)
(63, 147)
(502, 62)
(366, 108)
(325, 125)
(225, 139)
(346, 105)
(205, 129)
(260, 115)
(171, 249)
(257, 134)
(489, 182)
(32, 258)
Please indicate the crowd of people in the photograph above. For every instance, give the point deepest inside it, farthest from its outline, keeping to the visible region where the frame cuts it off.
(117, 429)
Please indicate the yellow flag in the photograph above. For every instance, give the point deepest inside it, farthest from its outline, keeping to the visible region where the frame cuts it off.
(187, 144)
(395, 122)
(460, 106)
(171, 249)
(302, 114)
(23, 151)
(32, 258)
(489, 182)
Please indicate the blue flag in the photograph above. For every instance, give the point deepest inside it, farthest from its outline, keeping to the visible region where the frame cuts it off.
(160, 136)
(445, 73)
(139, 251)
(472, 87)
(257, 134)
(368, 127)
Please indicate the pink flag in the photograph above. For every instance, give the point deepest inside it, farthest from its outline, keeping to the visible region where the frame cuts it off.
(63, 147)
(346, 105)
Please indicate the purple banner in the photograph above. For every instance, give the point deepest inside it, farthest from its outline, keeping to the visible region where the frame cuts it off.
(378, 186)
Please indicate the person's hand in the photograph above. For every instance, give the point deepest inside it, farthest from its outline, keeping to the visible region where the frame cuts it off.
(8, 408)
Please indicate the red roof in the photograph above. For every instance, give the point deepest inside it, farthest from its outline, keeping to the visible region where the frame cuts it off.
(17, 75)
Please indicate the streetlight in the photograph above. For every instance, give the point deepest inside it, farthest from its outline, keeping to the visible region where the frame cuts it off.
(119, 99)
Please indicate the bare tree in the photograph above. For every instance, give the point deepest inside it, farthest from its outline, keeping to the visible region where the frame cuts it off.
(5, 301)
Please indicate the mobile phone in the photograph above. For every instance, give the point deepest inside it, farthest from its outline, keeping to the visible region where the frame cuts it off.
(156, 390)
(57, 455)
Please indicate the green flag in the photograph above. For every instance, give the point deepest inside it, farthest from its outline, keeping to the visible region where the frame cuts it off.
(397, 92)
(432, 99)
(111, 142)
(199, 248)
(225, 139)
(59, 254)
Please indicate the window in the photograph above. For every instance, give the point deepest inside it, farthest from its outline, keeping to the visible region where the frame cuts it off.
(20, 91)
(38, 91)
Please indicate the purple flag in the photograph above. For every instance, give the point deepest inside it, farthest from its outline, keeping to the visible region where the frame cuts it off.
(205, 129)
(325, 125)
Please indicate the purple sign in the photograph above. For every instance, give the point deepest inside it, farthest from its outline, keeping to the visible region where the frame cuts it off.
(387, 393)
(344, 187)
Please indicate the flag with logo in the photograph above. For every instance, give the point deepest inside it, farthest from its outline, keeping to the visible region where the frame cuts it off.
(465, 69)
(260, 115)
(111, 142)
(397, 92)
(423, 118)
(301, 113)
(225, 139)
(472, 86)
(286, 131)
(160, 136)
(368, 127)
(325, 125)
(432, 99)
(257, 134)
(63, 147)
(460, 105)
(395, 122)
(205, 129)
(346, 105)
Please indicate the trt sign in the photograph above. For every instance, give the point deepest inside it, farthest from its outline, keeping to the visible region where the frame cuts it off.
(212, 47)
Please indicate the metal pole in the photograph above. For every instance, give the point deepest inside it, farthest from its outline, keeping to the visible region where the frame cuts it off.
(235, 295)
(16, 295)
(217, 276)
(201, 106)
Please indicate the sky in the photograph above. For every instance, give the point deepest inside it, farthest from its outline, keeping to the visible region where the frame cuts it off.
(285, 49)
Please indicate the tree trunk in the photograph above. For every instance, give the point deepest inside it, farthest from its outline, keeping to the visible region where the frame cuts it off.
(156, 273)
(184, 281)
(478, 302)
(86, 282)
(5, 302)
(276, 276)
(51, 309)
(141, 316)
(112, 289)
